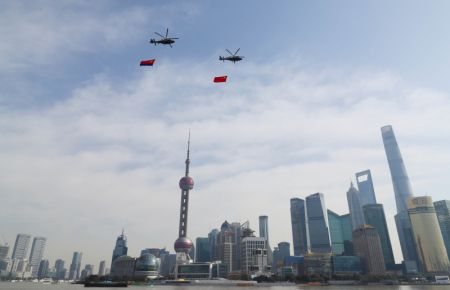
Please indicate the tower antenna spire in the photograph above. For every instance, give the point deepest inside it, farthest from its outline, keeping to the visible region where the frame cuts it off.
(188, 161)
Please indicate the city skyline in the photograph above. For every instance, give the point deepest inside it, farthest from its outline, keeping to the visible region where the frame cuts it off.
(86, 128)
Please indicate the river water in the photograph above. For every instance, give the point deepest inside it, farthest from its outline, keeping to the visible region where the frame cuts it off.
(39, 286)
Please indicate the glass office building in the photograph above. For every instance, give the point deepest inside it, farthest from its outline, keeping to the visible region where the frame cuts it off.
(299, 226)
(340, 231)
(317, 224)
(365, 187)
(346, 265)
(374, 216)
(442, 208)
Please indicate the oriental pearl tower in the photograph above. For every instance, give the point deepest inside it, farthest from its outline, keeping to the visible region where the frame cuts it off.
(183, 244)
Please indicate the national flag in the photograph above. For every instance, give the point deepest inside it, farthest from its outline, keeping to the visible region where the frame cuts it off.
(221, 79)
(149, 62)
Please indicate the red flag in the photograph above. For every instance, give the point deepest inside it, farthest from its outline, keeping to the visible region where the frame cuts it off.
(221, 79)
(149, 62)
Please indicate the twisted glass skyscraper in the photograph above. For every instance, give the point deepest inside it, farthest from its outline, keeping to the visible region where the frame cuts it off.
(402, 191)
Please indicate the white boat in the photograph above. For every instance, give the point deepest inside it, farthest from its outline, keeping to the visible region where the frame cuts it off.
(46, 281)
(442, 280)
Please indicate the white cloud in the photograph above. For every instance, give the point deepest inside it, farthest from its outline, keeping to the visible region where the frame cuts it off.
(111, 154)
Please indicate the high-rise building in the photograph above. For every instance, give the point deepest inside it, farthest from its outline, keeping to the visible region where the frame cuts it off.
(43, 268)
(213, 250)
(402, 191)
(406, 237)
(374, 216)
(238, 228)
(318, 228)
(276, 260)
(264, 233)
(284, 250)
(443, 215)
(229, 249)
(400, 179)
(37, 251)
(183, 244)
(87, 271)
(60, 270)
(202, 250)
(299, 226)
(21, 246)
(365, 187)
(340, 231)
(367, 246)
(264, 227)
(121, 248)
(346, 265)
(102, 268)
(4, 249)
(75, 266)
(254, 254)
(354, 206)
(427, 234)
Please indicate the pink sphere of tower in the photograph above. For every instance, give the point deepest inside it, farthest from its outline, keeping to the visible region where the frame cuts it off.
(183, 245)
(186, 183)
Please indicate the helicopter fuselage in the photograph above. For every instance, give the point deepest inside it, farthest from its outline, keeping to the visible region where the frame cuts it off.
(231, 58)
(162, 41)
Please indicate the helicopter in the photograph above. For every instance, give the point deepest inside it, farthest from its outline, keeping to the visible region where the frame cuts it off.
(165, 40)
(233, 57)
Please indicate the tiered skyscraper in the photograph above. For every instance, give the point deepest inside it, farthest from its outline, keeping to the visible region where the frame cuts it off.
(355, 207)
(183, 244)
(367, 246)
(120, 249)
(402, 191)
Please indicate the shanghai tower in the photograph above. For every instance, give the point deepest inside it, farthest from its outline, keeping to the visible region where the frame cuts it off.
(402, 191)
(183, 244)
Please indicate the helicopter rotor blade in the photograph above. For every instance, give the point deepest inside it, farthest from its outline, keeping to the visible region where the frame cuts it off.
(159, 34)
(237, 51)
(173, 38)
(167, 32)
(228, 51)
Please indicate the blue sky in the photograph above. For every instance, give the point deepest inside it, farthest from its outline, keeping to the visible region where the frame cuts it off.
(93, 143)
